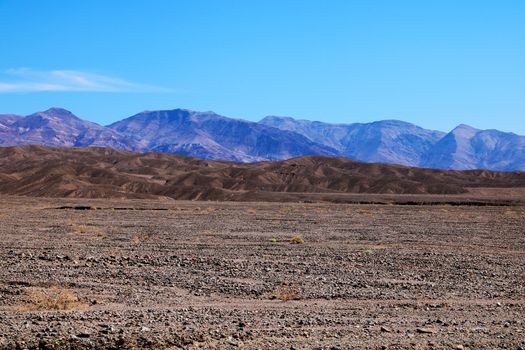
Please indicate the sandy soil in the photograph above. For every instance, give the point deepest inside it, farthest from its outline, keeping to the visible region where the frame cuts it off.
(206, 275)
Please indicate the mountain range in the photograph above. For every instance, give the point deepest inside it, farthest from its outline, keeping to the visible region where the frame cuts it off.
(210, 136)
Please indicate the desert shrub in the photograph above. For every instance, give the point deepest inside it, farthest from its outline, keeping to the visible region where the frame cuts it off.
(297, 240)
(273, 240)
(53, 298)
(368, 251)
(140, 238)
(286, 210)
(286, 293)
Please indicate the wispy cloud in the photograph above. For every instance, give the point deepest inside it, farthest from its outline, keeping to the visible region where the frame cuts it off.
(30, 80)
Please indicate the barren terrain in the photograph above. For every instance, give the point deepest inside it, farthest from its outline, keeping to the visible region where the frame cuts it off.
(40, 171)
(110, 274)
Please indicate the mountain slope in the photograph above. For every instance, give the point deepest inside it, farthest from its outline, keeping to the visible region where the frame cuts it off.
(6, 129)
(397, 142)
(469, 148)
(108, 173)
(6, 120)
(387, 141)
(211, 136)
(58, 127)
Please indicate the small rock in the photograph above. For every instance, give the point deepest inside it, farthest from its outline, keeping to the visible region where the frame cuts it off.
(84, 334)
(459, 347)
(425, 330)
(385, 329)
(232, 341)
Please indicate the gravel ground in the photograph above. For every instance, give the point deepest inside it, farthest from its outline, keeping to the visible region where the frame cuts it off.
(206, 275)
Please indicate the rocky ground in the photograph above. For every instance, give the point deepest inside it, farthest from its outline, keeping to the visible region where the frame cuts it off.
(204, 275)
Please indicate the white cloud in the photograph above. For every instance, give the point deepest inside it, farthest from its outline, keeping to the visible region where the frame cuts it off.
(30, 80)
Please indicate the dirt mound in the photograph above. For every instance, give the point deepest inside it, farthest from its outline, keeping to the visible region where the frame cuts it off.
(107, 173)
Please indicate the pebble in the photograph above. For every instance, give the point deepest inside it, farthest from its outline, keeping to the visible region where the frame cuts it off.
(84, 334)
(425, 330)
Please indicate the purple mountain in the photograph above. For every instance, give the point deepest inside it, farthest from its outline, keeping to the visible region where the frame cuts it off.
(211, 136)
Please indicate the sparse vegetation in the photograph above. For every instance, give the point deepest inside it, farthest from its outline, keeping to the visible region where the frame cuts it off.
(368, 251)
(218, 261)
(286, 210)
(286, 293)
(365, 211)
(297, 240)
(140, 238)
(53, 298)
(89, 231)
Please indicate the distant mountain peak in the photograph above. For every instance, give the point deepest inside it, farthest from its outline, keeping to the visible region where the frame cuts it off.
(465, 127)
(60, 113)
(212, 136)
(393, 122)
(278, 117)
(58, 110)
(174, 110)
(465, 131)
(273, 119)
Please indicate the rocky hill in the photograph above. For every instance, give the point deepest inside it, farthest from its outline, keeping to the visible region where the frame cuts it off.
(108, 173)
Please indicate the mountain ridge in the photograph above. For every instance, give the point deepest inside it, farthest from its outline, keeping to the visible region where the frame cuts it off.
(209, 135)
(174, 131)
(97, 172)
(463, 148)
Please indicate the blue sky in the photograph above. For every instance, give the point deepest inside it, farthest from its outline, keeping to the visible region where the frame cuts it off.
(434, 63)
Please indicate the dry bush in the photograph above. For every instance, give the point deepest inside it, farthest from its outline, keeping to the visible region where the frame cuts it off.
(286, 293)
(286, 210)
(140, 238)
(510, 212)
(365, 211)
(368, 251)
(252, 211)
(91, 232)
(321, 210)
(297, 240)
(53, 298)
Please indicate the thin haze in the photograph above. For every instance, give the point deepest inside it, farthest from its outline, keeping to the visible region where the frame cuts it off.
(434, 63)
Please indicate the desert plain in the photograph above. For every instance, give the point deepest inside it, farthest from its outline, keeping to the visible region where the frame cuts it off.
(167, 274)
